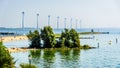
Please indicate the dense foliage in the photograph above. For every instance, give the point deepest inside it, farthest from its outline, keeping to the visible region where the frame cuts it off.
(69, 38)
(35, 39)
(48, 37)
(6, 61)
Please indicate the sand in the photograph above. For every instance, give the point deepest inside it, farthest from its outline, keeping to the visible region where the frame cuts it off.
(15, 38)
(12, 38)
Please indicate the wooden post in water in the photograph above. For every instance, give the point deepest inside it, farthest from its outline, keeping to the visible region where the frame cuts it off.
(116, 40)
(98, 45)
(29, 58)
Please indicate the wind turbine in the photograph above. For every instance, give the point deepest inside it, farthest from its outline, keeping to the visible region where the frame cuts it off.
(23, 19)
(48, 20)
(57, 22)
(71, 23)
(80, 23)
(65, 19)
(37, 20)
(76, 23)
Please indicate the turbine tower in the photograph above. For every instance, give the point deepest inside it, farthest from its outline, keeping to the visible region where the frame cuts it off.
(37, 20)
(71, 23)
(65, 22)
(76, 23)
(23, 19)
(48, 20)
(57, 22)
(80, 23)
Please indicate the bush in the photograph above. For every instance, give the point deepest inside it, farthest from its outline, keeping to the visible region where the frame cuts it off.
(48, 37)
(75, 38)
(70, 38)
(85, 47)
(35, 39)
(6, 61)
(23, 65)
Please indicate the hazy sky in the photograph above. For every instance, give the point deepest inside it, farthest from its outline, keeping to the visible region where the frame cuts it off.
(93, 13)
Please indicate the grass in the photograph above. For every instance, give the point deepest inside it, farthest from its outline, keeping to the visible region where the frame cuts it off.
(23, 65)
(57, 35)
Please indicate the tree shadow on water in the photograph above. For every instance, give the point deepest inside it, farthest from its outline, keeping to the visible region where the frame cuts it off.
(35, 54)
(70, 54)
(49, 57)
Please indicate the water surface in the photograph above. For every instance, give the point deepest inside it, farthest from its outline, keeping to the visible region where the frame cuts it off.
(106, 56)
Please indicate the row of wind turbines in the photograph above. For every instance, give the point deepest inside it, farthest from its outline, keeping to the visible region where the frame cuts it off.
(57, 21)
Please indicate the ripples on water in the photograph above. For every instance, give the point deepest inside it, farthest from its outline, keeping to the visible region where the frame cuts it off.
(106, 56)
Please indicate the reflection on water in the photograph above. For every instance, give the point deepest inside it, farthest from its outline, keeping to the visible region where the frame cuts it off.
(50, 58)
(35, 55)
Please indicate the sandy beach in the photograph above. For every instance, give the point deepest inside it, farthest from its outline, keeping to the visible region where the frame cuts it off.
(12, 38)
(15, 38)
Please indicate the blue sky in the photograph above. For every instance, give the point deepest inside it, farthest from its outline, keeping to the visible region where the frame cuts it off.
(92, 13)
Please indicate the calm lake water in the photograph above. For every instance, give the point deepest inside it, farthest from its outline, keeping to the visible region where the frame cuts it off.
(106, 56)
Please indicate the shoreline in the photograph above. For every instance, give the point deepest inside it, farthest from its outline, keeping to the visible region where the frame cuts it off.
(14, 50)
(13, 38)
(25, 49)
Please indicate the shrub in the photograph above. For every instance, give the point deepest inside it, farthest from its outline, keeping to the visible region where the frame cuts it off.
(6, 61)
(85, 47)
(70, 38)
(35, 39)
(75, 38)
(48, 37)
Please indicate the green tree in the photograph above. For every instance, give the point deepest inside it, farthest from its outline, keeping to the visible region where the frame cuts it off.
(75, 38)
(35, 39)
(48, 37)
(6, 61)
(70, 38)
(65, 38)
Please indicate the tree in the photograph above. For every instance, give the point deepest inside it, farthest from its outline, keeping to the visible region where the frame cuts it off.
(6, 61)
(75, 38)
(70, 38)
(35, 39)
(65, 38)
(48, 37)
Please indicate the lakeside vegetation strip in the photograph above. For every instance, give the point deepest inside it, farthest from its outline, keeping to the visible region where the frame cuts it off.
(25, 49)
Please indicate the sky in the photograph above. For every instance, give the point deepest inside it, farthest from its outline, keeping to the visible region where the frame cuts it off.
(91, 13)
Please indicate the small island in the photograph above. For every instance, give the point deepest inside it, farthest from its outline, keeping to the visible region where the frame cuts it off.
(47, 39)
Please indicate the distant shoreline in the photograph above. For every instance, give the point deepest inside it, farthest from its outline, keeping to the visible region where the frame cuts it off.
(24, 37)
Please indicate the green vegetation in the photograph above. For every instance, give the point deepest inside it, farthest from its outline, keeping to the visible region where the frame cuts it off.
(67, 39)
(48, 37)
(93, 33)
(35, 53)
(86, 47)
(6, 61)
(57, 35)
(23, 65)
(35, 39)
